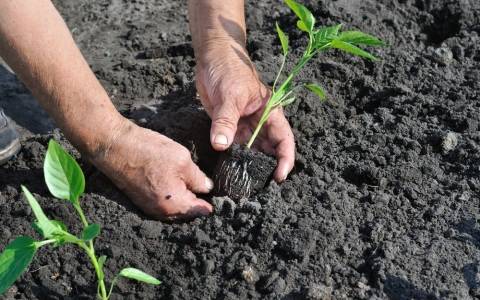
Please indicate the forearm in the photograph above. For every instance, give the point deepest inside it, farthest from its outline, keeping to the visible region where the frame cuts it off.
(36, 43)
(216, 24)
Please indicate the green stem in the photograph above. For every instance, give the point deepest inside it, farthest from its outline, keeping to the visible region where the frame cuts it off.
(263, 119)
(43, 243)
(90, 250)
(279, 72)
(91, 254)
(79, 210)
(112, 285)
(305, 58)
(268, 108)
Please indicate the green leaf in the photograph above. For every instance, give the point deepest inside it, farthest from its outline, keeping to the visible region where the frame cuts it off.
(14, 260)
(63, 175)
(325, 35)
(60, 225)
(138, 275)
(303, 14)
(90, 232)
(283, 39)
(317, 90)
(43, 225)
(352, 49)
(360, 38)
(288, 101)
(101, 263)
(302, 26)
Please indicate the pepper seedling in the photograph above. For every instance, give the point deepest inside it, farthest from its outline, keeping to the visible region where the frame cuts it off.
(319, 40)
(65, 180)
(240, 171)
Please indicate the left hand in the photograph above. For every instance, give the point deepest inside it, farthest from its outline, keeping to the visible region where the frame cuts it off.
(234, 97)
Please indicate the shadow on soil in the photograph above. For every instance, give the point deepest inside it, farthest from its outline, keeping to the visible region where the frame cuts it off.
(187, 124)
(468, 232)
(21, 107)
(470, 272)
(400, 289)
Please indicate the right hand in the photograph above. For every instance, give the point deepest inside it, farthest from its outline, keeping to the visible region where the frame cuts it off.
(157, 173)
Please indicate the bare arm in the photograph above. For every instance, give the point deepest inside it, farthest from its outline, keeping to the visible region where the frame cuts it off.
(36, 43)
(216, 22)
(156, 172)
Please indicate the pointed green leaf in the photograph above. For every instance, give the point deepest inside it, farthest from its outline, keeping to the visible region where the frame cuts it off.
(66, 238)
(60, 225)
(329, 32)
(101, 263)
(138, 275)
(101, 260)
(360, 38)
(63, 175)
(14, 260)
(302, 26)
(44, 225)
(283, 39)
(352, 49)
(317, 90)
(288, 101)
(90, 232)
(303, 14)
(325, 35)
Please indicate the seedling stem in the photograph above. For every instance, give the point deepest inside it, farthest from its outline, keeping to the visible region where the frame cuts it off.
(66, 181)
(320, 39)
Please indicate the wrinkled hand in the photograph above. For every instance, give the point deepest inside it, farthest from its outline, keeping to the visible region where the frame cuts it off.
(234, 98)
(157, 173)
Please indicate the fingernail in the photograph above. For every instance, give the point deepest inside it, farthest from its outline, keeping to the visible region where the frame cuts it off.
(199, 211)
(208, 183)
(220, 139)
(283, 174)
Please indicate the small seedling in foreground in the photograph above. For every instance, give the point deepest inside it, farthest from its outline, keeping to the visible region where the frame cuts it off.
(320, 39)
(66, 181)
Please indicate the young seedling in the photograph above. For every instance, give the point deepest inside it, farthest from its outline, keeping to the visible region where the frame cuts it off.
(65, 180)
(240, 172)
(319, 40)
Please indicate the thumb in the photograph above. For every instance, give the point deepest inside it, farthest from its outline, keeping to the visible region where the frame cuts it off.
(224, 125)
(196, 180)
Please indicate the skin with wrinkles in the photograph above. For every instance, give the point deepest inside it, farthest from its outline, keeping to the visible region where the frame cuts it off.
(36, 43)
(229, 86)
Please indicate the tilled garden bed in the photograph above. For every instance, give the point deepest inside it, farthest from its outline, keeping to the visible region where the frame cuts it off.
(383, 202)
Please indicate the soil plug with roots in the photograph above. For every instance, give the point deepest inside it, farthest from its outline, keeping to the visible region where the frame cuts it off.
(241, 171)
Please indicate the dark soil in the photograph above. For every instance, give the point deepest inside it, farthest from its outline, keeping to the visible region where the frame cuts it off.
(384, 199)
(241, 172)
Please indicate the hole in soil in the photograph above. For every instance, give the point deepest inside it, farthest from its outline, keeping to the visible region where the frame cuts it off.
(446, 24)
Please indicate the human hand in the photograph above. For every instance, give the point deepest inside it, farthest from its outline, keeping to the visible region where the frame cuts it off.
(234, 97)
(157, 173)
